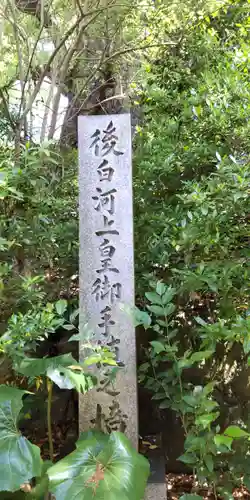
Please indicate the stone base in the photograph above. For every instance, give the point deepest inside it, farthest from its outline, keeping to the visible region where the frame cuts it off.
(156, 491)
(156, 488)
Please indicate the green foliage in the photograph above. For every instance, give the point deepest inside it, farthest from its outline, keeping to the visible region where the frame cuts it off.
(20, 460)
(63, 370)
(207, 449)
(191, 188)
(24, 331)
(191, 163)
(106, 465)
(38, 226)
(188, 496)
(38, 245)
(101, 466)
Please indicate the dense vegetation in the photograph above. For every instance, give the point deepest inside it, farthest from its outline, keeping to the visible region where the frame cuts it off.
(192, 232)
(191, 195)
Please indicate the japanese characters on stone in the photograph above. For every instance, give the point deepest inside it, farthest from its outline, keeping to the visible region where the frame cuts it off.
(106, 288)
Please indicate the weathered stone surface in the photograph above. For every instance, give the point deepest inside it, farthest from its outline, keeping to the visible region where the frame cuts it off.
(156, 488)
(106, 255)
(156, 491)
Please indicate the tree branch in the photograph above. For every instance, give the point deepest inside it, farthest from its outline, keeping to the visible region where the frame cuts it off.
(19, 52)
(53, 55)
(30, 63)
(7, 112)
(134, 49)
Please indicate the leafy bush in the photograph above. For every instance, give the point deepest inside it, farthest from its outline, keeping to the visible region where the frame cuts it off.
(99, 461)
(39, 226)
(218, 454)
(192, 233)
(38, 245)
(100, 465)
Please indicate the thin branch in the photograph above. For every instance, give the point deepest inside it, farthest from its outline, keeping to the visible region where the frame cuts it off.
(19, 52)
(7, 111)
(30, 62)
(93, 73)
(62, 77)
(47, 107)
(47, 67)
(134, 49)
(53, 55)
(100, 103)
(42, 13)
(79, 7)
(55, 108)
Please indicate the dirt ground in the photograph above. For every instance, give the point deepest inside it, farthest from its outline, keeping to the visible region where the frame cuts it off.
(179, 484)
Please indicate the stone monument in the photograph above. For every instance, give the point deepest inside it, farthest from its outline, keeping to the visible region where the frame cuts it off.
(107, 266)
(106, 258)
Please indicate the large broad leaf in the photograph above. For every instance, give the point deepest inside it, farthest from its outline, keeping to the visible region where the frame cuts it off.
(63, 370)
(20, 460)
(101, 468)
(71, 378)
(234, 431)
(35, 367)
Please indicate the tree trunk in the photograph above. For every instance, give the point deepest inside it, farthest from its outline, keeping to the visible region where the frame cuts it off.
(33, 7)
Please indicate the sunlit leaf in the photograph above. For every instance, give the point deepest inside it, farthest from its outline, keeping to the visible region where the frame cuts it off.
(235, 432)
(102, 467)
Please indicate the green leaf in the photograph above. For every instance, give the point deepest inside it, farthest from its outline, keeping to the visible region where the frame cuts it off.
(93, 359)
(159, 395)
(206, 419)
(69, 327)
(235, 432)
(168, 295)
(144, 367)
(190, 400)
(141, 318)
(208, 459)
(61, 307)
(157, 346)
(97, 436)
(63, 370)
(183, 363)
(20, 459)
(246, 482)
(74, 315)
(187, 458)
(219, 440)
(3, 244)
(154, 298)
(246, 345)
(35, 367)
(100, 469)
(200, 321)
(160, 288)
(42, 483)
(169, 309)
(208, 388)
(200, 356)
(158, 310)
(75, 338)
(163, 323)
(189, 496)
(67, 378)
(165, 404)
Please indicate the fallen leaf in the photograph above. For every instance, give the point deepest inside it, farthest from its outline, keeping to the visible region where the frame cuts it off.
(26, 487)
(97, 476)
